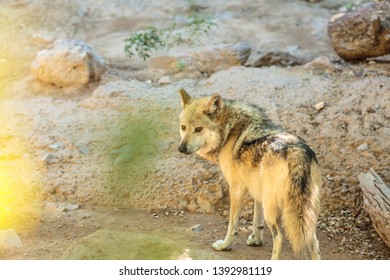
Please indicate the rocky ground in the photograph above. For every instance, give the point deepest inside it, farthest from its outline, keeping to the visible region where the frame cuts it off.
(109, 149)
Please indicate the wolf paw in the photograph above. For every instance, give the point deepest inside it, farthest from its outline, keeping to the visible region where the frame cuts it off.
(253, 241)
(220, 246)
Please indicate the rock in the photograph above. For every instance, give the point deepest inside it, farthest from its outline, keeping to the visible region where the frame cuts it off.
(320, 63)
(208, 198)
(277, 58)
(47, 159)
(164, 80)
(205, 60)
(56, 146)
(9, 239)
(59, 207)
(197, 228)
(211, 59)
(169, 64)
(84, 150)
(363, 147)
(68, 63)
(319, 106)
(361, 33)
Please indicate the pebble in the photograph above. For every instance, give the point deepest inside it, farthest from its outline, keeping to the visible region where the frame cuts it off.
(363, 147)
(164, 80)
(322, 225)
(197, 228)
(10, 239)
(320, 63)
(83, 150)
(319, 106)
(47, 159)
(58, 207)
(56, 146)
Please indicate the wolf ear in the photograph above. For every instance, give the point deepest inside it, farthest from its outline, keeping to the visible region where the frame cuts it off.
(186, 99)
(214, 105)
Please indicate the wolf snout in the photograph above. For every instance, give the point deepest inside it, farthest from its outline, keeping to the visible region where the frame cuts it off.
(183, 149)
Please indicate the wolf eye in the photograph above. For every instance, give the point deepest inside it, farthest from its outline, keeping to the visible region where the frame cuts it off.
(198, 129)
(183, 127)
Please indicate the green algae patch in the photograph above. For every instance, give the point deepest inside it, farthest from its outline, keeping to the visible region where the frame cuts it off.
(119, 245)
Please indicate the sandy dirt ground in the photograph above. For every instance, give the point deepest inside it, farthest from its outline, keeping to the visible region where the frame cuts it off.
(79, 162)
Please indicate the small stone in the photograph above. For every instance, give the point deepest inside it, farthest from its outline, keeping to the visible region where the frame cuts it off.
(197, 228)
(54, 207)
(322, 225)
(363, 147)
(84, 150)
(243, 229)
(10, 239)
(320, 63)
(47, 159)
(164, 80)
(329, 178)
(56, 146)
(319, 106)
(70, 206)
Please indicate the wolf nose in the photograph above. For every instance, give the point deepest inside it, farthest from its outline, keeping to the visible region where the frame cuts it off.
(183, 149)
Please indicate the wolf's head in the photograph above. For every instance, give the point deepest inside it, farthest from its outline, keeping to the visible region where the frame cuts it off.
(199, 128)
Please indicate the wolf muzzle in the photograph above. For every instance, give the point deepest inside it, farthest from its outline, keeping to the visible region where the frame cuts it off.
(183, 149)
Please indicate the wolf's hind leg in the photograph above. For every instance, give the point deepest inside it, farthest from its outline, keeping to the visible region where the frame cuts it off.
(256, 238)
(277, 239)
(271, 218)
(236, 197)
(315, 254)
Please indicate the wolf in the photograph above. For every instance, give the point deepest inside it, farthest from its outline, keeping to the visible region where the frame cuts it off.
(278, 169)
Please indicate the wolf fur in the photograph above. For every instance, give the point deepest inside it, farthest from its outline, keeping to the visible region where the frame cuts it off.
(278, 169)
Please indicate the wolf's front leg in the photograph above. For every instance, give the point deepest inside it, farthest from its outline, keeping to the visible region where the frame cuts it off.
(256, 238)
(236, 198)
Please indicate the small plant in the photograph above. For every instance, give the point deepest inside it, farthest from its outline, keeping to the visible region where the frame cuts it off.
(142, 42)
(181, 64)
(349, 6)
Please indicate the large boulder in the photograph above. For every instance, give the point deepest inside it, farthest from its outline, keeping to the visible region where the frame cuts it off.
(68, 63)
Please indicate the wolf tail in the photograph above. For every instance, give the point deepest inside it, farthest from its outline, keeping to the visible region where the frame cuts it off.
(302, 205)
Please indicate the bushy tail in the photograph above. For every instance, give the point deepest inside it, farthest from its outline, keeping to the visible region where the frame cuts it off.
(301, 209)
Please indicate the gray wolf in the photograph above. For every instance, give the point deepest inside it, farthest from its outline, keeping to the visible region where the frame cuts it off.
(278, 169)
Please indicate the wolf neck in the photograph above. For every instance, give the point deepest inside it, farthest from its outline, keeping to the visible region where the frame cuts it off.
(242, 123)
